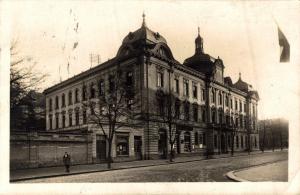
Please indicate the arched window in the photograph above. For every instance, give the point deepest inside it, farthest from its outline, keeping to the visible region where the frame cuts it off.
(70, 98)
(56, 102)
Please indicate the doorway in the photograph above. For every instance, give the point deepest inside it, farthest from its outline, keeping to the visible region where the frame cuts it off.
(162, 143)
(138, 147)
(101, 147)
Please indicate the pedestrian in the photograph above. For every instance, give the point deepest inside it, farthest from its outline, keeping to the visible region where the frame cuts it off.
(67, 161)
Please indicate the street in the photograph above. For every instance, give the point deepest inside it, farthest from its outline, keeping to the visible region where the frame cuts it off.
(197, 171)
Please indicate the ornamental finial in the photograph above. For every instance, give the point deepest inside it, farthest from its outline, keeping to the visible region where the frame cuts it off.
(144, 20)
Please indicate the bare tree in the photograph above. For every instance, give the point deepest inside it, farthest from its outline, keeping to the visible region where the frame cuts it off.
(24, 79)
(114, 107)
(168, 106)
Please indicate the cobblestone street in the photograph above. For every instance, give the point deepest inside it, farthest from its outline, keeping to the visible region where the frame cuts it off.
(197, 171)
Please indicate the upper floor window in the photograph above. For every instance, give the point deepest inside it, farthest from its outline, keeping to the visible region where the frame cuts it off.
(111, 82)
(70, 98)
(76, 96)
(84, 116)
(160, 79)
(203, 94)
(231, 104)
(253, 110)
(220, 98)
(129, 78)
(185, 87)
(77, 117)
(63, 100)
(177, 109)
(213, 96)
(92, 91)
(56, 102)
(195, 91)
(84, 93)
(236, 105)
(101, 87)
(226, 101)
(220, 118)
(63, 120)
(203, 115)
(213, 116)
(241, 107)
(187, 111)
(50, 122)
(195, 112)
(176, 85)
(50, 104)
(56, 121)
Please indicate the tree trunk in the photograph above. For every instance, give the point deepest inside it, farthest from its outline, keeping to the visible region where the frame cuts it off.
(109, 160)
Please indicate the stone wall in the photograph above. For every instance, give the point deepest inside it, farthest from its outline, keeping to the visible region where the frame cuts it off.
(43, 149)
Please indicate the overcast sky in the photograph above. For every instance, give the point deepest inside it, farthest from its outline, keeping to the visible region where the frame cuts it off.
(243, 34)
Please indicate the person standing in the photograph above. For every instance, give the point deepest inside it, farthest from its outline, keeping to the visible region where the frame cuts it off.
(67, 161)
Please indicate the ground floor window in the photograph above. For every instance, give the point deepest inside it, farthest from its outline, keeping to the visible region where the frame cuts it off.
(242, 141)
(229, 140)
(255, 143)
(237, 141)
(196, 138)
(215, 141)
(204, 138)
(187, 142)
(122, 145)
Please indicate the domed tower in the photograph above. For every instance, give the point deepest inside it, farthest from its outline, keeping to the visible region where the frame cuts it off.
(199, 43)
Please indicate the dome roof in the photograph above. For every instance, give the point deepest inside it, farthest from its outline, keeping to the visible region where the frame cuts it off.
(242, 85)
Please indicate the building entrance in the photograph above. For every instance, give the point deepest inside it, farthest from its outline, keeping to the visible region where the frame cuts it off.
(162, 143)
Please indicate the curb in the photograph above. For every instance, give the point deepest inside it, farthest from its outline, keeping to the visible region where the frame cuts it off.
(129, 167)
(230, 175)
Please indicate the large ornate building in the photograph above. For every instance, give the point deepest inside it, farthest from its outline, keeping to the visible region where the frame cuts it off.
(214, 113)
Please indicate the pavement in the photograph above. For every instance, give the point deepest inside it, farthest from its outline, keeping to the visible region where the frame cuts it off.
(48, 172)
(274, 171)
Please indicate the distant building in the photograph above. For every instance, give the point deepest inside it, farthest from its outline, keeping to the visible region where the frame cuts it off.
(273, 133)
(211, 107)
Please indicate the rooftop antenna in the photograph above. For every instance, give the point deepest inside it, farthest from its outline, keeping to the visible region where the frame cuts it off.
(144, 20)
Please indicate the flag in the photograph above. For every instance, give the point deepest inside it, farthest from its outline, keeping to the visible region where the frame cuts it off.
(284, 47)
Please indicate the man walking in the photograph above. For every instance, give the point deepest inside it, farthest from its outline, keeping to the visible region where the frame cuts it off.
(67, 161)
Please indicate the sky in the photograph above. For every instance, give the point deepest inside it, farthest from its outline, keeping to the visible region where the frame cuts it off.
(243, 34)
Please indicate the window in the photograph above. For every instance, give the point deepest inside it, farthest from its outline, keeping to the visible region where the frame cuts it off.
(56, 121)
(56, 102)
(255, 142)
(196, 138)
(76, 96)
(253, 109)
(195, 91)
(203, 115)
(129, 103)
(187, 142)
(213, 117)
(63, 100)
(242, 142)
(215, 141)
(227, 120)
(84, 116)
(226, 101)
(63, 120)
(204, 138)
(129, 78)
(213, 96)
(77, 117)
(160, 79)
(241, 108)
(201, 138)
(244, 107)
(229, 140)
(92, 91)
(50, 122)
(122, 145)
(177, 109)
(203, 94)
(176, 85)
(241, 121)
(50, 104)
(111, 83)
(187, 111)
(237, 141)
(236, 105)
(231, 105)
(70, 98)
(84, 93)
(185, 87)
(237, 122)
(220, 118)
(161, 107)
(101, 87)
(220, 98)
(195, 112)
(70, 119)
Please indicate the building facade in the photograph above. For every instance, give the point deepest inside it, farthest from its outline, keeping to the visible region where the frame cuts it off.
(214, 113)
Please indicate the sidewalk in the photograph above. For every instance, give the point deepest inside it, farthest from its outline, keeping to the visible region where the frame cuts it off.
(36, 173)
(276, 171)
